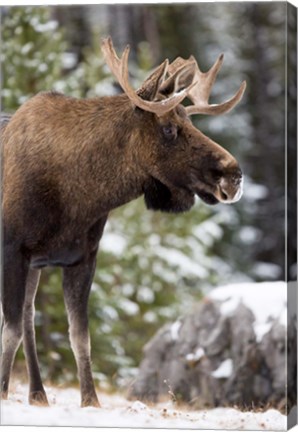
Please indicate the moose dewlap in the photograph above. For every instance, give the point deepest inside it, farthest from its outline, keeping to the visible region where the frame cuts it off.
(67, 163)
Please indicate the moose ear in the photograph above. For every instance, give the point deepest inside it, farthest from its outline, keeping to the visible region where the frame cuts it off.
(151, 85)
(180, 80)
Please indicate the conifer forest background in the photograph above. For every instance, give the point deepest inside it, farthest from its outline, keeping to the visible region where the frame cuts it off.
(152, 267)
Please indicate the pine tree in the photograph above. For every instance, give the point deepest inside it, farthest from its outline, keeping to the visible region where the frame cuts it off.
(32, 53)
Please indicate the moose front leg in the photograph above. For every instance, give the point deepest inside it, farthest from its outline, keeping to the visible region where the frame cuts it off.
(76, 285)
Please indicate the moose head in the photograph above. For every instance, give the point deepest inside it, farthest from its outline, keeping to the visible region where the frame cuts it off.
(179, 159)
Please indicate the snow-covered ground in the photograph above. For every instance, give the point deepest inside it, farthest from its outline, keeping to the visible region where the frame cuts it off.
(116, 411)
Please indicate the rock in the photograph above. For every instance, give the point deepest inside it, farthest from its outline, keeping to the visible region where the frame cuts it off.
(213, 358)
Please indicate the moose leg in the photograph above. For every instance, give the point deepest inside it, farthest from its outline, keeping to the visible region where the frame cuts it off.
(76, 284)
(15, 269)
(37, 394)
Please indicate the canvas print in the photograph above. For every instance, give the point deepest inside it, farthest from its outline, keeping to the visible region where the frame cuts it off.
(149, 215)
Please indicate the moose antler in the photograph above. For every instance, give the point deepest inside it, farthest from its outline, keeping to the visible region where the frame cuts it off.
(199, 94)
(119, 67)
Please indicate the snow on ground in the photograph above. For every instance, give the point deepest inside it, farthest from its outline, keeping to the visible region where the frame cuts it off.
(116, 411)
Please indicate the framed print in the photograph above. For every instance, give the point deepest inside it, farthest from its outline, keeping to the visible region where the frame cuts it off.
(149, 215)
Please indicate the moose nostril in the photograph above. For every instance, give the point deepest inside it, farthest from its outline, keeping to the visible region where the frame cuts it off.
(224, 195)
(224, 188)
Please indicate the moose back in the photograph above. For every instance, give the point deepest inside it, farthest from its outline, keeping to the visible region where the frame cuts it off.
(66, 163)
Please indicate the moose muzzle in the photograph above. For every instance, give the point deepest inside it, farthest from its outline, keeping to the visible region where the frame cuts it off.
(230, 188)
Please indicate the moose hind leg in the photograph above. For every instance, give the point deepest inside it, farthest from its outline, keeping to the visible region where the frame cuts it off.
(15, 269)
(37, 394)
(76, 284)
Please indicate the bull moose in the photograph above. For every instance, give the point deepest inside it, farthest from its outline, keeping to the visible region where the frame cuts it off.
(68, 162)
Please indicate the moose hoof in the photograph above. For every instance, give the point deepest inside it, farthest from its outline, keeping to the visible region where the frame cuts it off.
(90, 402)
(4, 395)
(38, 398)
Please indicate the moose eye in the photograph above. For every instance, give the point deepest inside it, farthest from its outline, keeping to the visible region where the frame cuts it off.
(169, 131)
